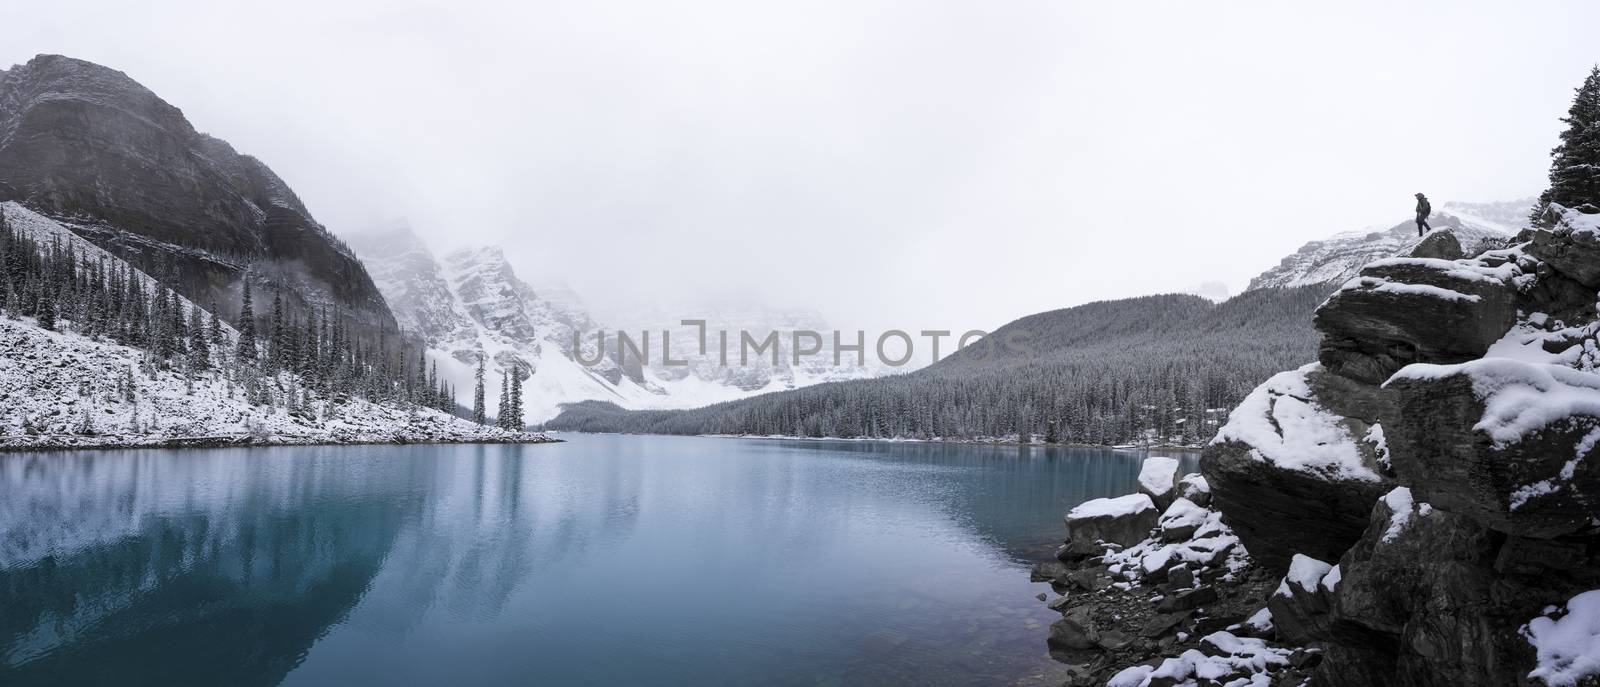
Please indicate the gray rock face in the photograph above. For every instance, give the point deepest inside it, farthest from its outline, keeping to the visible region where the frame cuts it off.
(1420, 604)
(88, 144)
(1440, 244)
(1536, 486)
(1416, 310)
(1575, 254)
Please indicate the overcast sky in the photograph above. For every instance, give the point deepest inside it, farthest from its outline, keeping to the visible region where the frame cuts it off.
(893, 164)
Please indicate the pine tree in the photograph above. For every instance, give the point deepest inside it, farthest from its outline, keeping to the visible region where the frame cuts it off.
(45, 311)
(1575, 163)
(247, 325)
(478, 411)
(515, 405)
(504, 415)
(199, 341)
(275, 346)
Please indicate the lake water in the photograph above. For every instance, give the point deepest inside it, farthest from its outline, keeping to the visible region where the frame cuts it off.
(605, 560)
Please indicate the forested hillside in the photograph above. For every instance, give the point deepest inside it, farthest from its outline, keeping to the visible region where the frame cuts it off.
(1158, 369)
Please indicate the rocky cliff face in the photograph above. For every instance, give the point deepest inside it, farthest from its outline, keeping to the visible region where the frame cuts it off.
(1436, 462)
(91, 147)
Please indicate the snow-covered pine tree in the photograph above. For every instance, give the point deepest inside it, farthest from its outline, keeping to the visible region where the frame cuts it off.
(247, 325)
(199, 341)
(275, 352)
(1575, 162)
(503, 416)
(479, 413)
(516, 424)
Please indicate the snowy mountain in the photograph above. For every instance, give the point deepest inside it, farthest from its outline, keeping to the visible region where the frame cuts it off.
(471, 302)
(1340, 257)
(87, 144)
(65, 385)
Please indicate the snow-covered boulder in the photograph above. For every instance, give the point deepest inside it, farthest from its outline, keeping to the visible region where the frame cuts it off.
(1291, 474)
(1509, 443)
(1124, 521)
(1409, 310)
(1181, 519)
(1194, 487)
(1572, 246)
(1299, 606)
(1158, 479)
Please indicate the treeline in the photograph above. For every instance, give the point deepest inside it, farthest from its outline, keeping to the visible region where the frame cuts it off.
(282, 358)
(1158, 369)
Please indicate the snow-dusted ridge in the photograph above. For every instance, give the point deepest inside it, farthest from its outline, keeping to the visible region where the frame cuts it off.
(1339, 257)
(62, 389)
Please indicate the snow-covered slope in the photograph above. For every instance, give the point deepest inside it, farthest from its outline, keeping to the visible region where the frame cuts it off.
(1338, 258)
(61, 388)
(471, 302)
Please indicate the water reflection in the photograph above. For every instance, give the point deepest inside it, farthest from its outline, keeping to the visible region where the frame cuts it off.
(605, 560)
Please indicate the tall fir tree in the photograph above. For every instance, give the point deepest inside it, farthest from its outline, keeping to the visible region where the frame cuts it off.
(515, 424)
(504, 415)
(479, 412)
(275, 345)
(247, 325)
(199, 341)
(1575, 162)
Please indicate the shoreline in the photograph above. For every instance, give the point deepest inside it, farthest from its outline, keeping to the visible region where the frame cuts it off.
(246, 441)
(969, 442)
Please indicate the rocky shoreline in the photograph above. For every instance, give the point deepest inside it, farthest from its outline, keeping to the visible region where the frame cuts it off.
(1418, 507)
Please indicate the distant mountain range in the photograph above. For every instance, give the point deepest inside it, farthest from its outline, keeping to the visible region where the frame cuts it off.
(1147, 370)
(1338, 258)
(471, 303)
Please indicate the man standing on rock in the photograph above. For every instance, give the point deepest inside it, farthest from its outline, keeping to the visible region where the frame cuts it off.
(1423, 210)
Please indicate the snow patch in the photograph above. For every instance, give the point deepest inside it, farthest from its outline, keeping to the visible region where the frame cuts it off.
(1284, 425)
(1567, 647)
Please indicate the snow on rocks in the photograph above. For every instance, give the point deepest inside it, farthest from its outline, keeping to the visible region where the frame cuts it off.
(1300, 604)
(1292, 474)
(1124, 520)
(1408, 310)
(1505, 441)
(1181, 520)
(1572, 246)
(1283, 424)
(1567, 641)
(1227, 660)
(1194, 487)
(1158, 479)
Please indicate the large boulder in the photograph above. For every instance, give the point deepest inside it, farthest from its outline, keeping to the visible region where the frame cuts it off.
(1292, 475)
(1124, 521)
(1301, 603)
(1419, 602)
(1158, 479)
(1505, 442)
(1572, 245)
(1409, 310)
(1439, 244)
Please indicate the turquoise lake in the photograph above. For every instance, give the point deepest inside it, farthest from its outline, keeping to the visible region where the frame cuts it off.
(605, 560)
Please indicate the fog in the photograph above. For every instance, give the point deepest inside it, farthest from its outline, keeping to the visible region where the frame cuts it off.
(921, 165)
